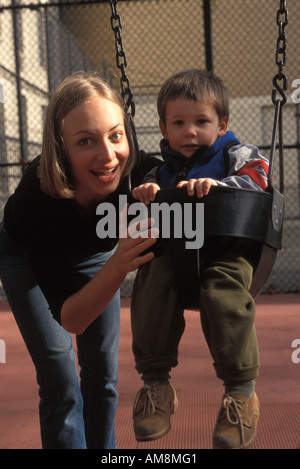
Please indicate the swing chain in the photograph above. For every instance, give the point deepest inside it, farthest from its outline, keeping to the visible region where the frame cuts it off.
(282, 20)
(280, 57)
(116, 25)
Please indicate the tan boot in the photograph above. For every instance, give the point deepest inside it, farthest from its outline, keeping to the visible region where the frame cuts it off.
(236, 422)
(152, 411)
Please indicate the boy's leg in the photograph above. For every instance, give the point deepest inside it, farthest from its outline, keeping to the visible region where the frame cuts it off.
(227, 317)
(157, 319)
(157, 326)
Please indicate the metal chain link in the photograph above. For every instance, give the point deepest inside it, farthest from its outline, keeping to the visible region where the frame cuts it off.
(116, 25)
(280, 56)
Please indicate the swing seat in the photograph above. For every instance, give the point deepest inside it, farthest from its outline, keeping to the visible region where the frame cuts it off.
(228, 212)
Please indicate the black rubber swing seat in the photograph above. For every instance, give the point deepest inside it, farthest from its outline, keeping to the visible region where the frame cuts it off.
(228, 212)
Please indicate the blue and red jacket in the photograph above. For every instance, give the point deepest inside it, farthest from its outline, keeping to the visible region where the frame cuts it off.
(227, 161)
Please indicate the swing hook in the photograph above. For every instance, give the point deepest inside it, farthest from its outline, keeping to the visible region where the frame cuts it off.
(281, 89)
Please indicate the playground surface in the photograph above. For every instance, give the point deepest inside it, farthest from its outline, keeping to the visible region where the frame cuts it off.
(198, 389)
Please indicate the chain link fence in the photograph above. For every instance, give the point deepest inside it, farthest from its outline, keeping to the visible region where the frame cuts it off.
(41, 42)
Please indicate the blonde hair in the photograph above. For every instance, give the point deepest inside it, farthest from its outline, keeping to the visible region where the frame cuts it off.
(195, 85)
(55, 170)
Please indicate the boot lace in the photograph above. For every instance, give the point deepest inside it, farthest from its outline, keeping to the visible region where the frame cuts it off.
(145, 401)
(232, 408)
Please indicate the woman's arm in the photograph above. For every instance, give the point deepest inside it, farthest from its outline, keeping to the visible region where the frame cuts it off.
(83, 307)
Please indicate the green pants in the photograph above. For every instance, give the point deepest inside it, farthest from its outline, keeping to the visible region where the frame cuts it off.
(227, 312)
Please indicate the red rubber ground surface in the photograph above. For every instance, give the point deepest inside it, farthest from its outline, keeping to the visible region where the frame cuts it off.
(198, 389)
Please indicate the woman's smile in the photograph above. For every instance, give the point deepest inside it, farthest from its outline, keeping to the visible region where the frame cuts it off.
(105, 175)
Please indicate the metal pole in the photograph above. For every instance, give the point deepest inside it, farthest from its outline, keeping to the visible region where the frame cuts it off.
(208, 35)
(15, 13)
(48, 48)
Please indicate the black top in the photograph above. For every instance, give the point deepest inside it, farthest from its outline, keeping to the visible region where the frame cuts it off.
(55, 235)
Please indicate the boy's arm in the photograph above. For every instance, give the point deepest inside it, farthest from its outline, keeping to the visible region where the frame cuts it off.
(152, 176)
(247, 168)
(145, 164)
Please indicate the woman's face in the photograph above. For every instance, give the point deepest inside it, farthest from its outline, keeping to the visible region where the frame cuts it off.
(97, 147)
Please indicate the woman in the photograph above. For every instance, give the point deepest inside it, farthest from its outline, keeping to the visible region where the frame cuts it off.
(58, 275)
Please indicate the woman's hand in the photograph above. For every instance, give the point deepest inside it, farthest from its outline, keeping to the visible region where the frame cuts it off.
(128, 256)
(199, 187)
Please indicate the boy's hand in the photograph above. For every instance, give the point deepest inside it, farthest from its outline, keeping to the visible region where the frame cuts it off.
(199, 187)
(145, 193)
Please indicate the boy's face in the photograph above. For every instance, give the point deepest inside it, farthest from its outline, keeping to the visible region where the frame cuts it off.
(191, 124)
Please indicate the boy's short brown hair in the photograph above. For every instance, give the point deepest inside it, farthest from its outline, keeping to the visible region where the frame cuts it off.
(195, 85)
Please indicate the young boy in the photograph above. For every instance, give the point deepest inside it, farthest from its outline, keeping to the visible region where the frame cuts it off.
(199, 152)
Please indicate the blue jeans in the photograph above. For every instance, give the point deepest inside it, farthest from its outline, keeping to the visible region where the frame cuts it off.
(73, 414)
